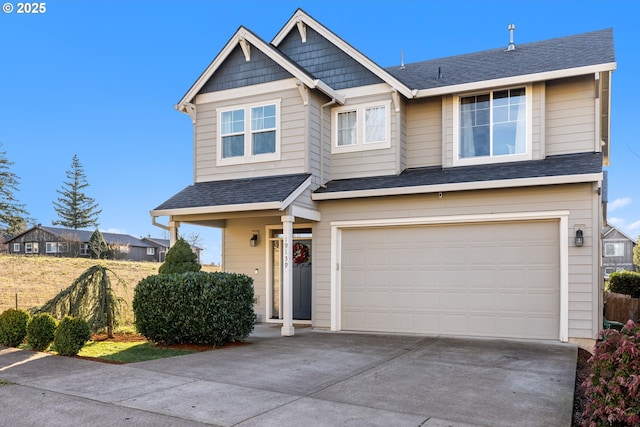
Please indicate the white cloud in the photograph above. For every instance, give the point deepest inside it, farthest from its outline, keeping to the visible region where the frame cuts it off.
(634, 225)
(618, 203)
(622, 225)
(114, 231)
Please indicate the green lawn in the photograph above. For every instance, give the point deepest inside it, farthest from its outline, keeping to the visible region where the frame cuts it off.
(128, 352)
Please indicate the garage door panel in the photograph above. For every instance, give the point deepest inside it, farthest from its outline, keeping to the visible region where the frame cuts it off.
(497, 279)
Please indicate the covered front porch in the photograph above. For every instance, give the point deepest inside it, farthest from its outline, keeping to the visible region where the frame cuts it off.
(266, 228)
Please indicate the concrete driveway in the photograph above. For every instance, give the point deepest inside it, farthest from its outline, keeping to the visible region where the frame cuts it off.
(311, 379)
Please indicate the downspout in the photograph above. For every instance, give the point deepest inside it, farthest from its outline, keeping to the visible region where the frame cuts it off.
(333, 101)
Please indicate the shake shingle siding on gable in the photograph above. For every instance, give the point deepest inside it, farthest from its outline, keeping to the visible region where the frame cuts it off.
(237, 72)
(550, 55)
(325, 61)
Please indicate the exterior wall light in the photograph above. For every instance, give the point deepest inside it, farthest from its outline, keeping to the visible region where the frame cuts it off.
(579, 238)
(254, 240)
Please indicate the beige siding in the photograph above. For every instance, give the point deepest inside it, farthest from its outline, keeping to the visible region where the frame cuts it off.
(293, 134)
(368, 162)
(577, 198)
(570, 115)
(424, 133)
(239, 257)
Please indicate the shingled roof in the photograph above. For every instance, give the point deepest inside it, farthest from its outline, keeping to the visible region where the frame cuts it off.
(235, 192)
(562, 165)
(563, 53)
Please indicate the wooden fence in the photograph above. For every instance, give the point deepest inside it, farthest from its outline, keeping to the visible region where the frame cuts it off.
(621, 308)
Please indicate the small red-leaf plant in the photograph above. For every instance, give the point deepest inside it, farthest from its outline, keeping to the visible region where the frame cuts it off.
(613, 387)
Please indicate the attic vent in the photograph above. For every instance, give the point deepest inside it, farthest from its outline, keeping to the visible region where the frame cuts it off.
(512, 45)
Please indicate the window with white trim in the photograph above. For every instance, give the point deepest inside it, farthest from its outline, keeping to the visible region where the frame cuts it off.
(151, 251)
(51, 247)
(249, 133)
(493, 126)
(31, 248)
(84, 249)
(614, 249)
(361, 127)
(16, 247)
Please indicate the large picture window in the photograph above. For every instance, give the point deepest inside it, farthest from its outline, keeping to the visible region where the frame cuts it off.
(493, 126)
(613, 249)
(361, 127)
(249, 133)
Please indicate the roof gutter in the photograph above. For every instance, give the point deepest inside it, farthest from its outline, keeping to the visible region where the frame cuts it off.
(507, 81)
(441, 188)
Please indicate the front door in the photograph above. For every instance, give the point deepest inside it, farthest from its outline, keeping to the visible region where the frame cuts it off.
(301, 274)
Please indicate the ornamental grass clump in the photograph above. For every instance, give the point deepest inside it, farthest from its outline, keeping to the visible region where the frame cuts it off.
(13, 327)
(40, 331)
(613, 387)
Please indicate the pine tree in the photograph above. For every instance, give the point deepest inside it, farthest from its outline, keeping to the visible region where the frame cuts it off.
(13, 215)
(76, 209)
(180, 259)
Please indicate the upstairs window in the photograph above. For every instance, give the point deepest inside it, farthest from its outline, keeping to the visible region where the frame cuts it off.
(613, 249)
(249, 134)
(494, 126)
(361, 127)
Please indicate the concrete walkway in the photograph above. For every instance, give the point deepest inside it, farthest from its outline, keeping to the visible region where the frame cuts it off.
(311, 379)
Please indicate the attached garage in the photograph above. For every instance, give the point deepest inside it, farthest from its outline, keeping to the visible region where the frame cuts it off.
(495, 279)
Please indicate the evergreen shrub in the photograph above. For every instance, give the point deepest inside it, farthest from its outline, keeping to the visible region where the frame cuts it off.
(180, 259)
(13, 327)
(40, 331)
(71, 335)
(625, 282)
(195, 307)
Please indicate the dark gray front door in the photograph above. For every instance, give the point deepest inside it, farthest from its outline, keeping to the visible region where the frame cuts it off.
(302, 280)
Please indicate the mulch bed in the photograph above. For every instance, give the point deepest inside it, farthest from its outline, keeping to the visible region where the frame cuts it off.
(579, 397)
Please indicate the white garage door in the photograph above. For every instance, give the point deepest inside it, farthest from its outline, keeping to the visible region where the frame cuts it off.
(487, 279)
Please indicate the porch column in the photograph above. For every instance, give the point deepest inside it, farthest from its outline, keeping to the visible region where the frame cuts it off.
(173, 232)
(287, 276)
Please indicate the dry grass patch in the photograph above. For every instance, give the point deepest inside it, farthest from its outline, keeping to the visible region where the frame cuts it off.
(37, 279)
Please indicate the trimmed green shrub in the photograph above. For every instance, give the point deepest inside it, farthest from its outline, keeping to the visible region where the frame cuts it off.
(13, 327)
(71, 335)
(613, 387)
(625, 282)
(40, 331)
(180, 259)
(196, 308)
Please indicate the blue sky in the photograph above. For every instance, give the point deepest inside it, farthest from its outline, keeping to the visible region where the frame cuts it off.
(100, 79)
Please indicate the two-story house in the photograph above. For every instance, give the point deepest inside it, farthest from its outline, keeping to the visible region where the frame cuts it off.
(617, 251)
(454, 196)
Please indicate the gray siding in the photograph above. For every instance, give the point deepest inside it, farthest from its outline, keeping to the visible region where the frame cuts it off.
(325, 61)
(237, 72)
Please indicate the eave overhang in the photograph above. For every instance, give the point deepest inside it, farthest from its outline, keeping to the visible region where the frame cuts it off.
(246, 39)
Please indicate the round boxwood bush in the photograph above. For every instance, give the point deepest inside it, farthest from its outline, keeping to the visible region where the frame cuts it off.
(196, 308)
(71, 335)
(13, 327)
(40, 331)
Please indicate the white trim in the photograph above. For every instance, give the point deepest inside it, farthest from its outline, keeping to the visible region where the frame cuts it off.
(248, 157)
(368, 90)
(476, 185)
(306, 213)
(246, 91)
(16, 247)
(481, 160)
(300, 16)
(218, 209)
(515, 80)
(337, 228)
(360, 110)
(295, 194)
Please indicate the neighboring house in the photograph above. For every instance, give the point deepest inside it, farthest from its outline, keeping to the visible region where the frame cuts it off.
(63, 242)
(162, 247)
(439, 197)
(617, 251)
